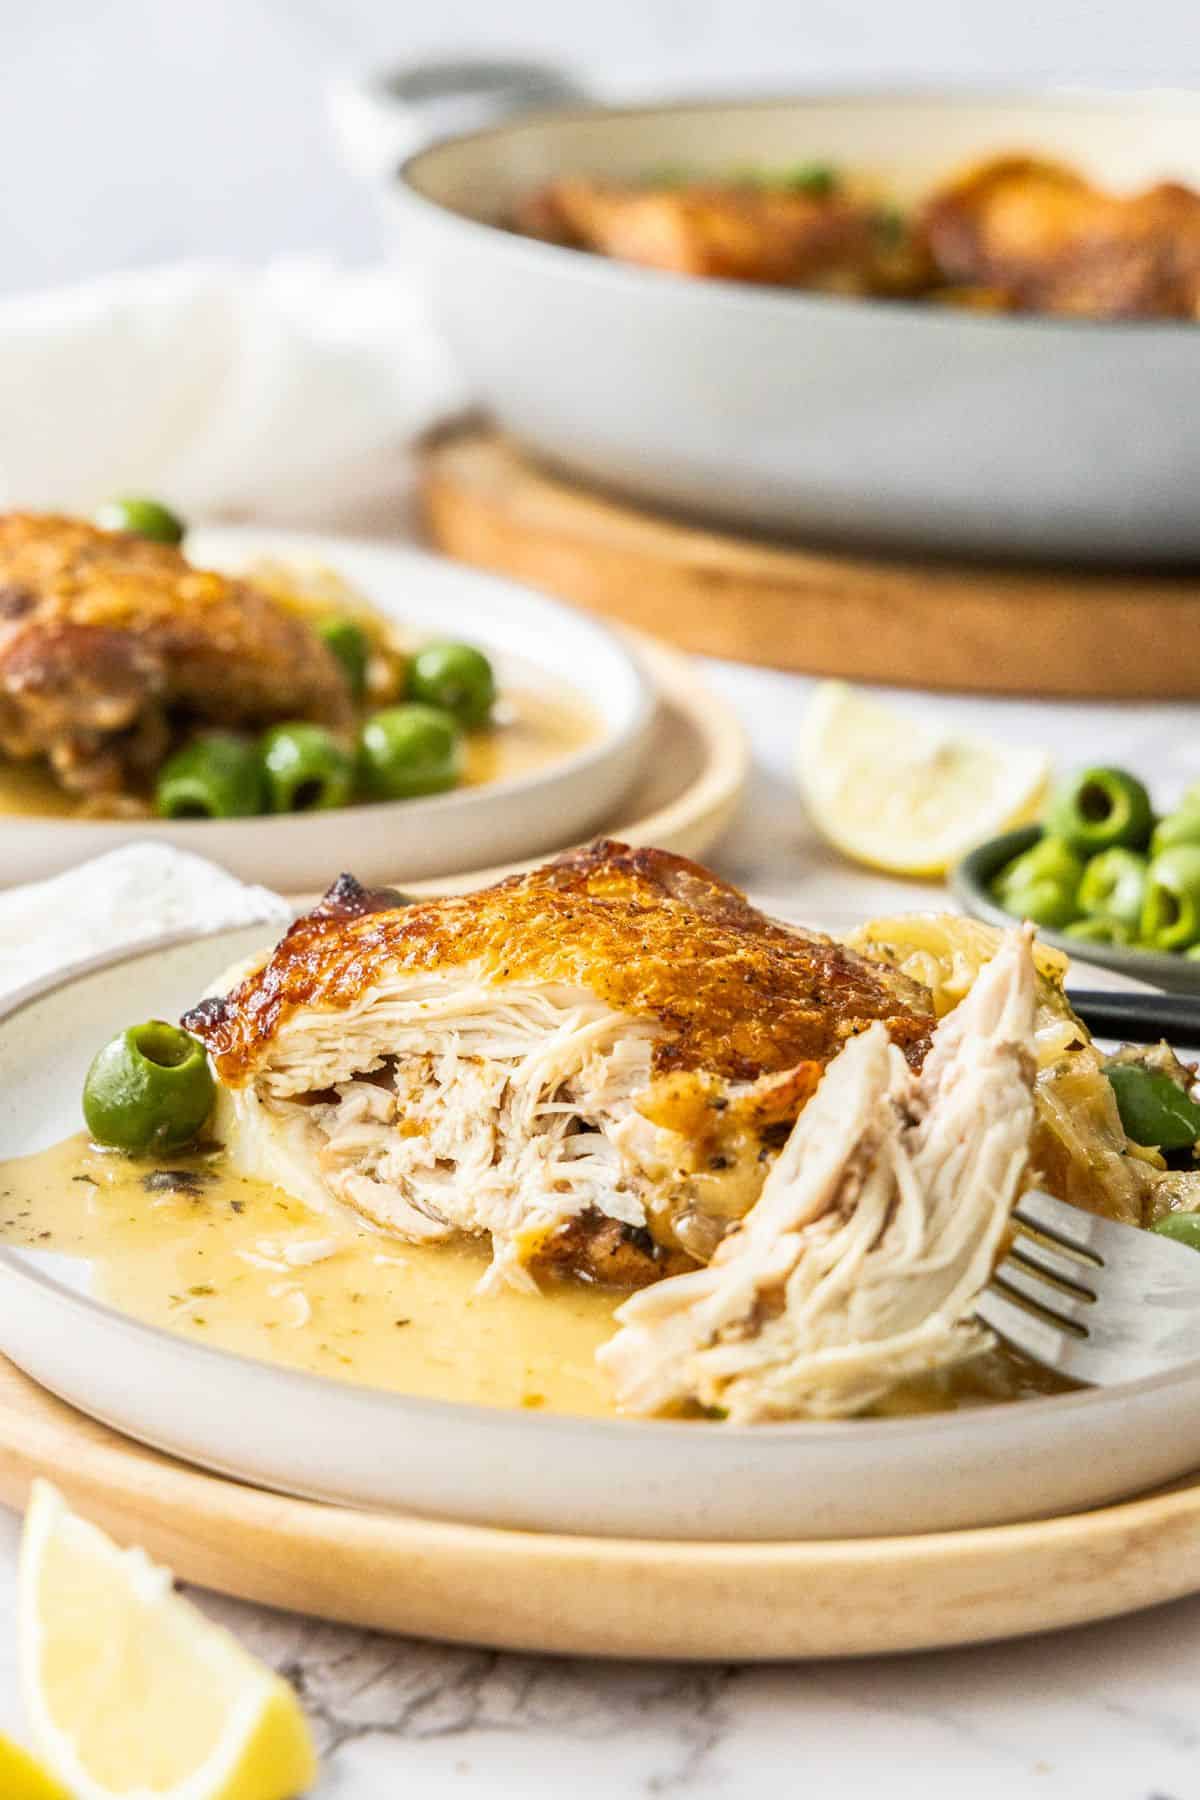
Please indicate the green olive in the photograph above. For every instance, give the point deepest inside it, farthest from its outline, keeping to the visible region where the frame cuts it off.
(1171, 909)
(143, 517)
(149, 1089)
(406, 751)
(817, 179)
(1179, 827)
(1100, 808)
(217, 776)
(456, 677)
(1114, 886)
(1099, 931)
(1153, 1108)
(350, 644)
(1048, 860)
(1183, 1227)
(306, 769)
(1047, 903)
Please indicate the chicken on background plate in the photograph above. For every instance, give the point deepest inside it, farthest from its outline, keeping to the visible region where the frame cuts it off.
(110, 641)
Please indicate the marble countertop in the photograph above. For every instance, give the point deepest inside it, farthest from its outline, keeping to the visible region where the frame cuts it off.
(1100, 1713)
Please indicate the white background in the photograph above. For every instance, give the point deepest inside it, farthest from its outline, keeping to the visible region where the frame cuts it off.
(135, 131)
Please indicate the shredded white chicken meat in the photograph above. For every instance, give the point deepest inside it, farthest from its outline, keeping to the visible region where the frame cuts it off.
(876, 1229)
(471, 1108)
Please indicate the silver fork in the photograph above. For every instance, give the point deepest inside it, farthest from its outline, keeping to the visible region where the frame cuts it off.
(1097, 1301)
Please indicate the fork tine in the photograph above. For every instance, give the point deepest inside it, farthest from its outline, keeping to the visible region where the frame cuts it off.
(1067, 1225)
(1132, 1308)
(1037, 1254)
(1069, 1309)
(1030, 1332)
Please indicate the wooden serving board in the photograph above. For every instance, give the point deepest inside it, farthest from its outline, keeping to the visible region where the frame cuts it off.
(922, 623)
(602, 1596)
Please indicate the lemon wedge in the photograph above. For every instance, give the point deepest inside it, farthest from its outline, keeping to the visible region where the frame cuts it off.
(23, 1779)
(905, 796)
(130, 1690)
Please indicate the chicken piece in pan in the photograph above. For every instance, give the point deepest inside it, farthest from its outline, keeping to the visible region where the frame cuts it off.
(594, 1064)
(109, 641)
(741, 232)
(876, 1229)
(1021, 234)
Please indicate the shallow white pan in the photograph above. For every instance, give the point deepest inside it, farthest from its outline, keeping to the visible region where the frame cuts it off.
(533, 641)
(332, 1441)
(901, 425)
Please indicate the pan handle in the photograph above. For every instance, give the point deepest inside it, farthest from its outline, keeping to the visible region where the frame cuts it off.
(381, 118)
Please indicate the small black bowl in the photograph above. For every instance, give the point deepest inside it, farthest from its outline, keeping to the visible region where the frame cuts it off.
(971, 885)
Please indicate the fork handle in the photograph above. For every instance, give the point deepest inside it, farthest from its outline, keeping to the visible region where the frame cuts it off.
(1145, 1016)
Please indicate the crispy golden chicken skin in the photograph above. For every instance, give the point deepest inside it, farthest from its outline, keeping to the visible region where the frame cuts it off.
(730, 991)
(108, 641)
(594, 1064)
(1029, 235)
(740, 232)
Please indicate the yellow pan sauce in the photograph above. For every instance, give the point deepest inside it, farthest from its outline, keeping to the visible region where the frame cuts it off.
(188, 1245)
(532, 732)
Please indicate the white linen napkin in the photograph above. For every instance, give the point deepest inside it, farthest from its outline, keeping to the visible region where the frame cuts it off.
(123, 898)
(289, 392)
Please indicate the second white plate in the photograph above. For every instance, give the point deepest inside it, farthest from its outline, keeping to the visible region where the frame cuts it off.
(531, 639)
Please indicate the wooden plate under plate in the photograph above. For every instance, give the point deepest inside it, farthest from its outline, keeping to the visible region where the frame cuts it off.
(603, 1596)
(978, 628)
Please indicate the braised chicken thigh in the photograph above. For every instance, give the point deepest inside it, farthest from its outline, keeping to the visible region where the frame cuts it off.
(594, 1064)
(109, 641)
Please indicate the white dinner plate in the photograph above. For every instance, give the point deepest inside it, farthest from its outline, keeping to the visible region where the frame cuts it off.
(303, 1434)
(533, 641)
